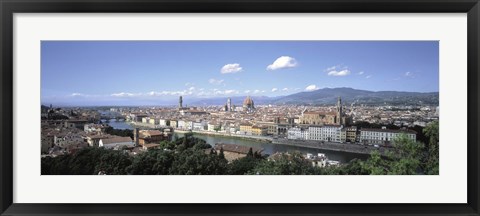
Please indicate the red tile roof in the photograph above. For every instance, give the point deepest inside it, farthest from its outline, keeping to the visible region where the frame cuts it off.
(116, 140)
(236, 148)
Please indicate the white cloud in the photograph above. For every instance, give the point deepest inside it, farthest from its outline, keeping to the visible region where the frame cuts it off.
(225, 92)
(78, 95)
(331, 68)
(152, 93)
(162, 93)
(124, 94)
(368, 77)
(168, 93)
(231, 92)
(361, 72)
(408, 74)
(81, 95)
(283, 62)
(285, 89)
(188, 84)
(191, 91)
(338, 70)
(311, 88)
(339, 73)
(215, 81)
(231, 68)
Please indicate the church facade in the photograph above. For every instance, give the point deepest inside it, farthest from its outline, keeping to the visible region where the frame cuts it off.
(325, 118)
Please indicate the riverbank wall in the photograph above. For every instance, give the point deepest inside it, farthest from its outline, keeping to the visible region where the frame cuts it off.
(340, 147)
(143, 125)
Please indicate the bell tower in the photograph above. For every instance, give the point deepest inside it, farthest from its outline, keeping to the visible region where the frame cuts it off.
(135, 136)
(339, 111)
(180, 102)
(229, 104)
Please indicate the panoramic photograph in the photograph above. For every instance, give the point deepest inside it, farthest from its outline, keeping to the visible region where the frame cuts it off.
(239, 108)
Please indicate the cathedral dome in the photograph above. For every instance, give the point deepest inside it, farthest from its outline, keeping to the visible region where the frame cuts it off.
(248, 105)
(248, 102)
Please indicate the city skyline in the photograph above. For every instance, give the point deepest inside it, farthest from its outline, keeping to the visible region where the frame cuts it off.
(142, 72)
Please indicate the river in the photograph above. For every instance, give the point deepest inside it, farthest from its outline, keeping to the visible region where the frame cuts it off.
(268, 148)
(120, 124)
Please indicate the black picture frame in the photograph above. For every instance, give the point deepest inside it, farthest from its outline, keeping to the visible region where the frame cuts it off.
(9, 7)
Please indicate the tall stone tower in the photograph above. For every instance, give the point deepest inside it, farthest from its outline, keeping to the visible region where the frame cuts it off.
(229, 104)
(339, 112)
(135, 136)
(180, 102)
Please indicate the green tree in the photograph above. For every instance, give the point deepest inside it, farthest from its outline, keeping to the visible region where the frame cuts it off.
(84, 161)
(354, 167)
(407, 160)
(432, 149)
(376, 165)
(152, 162)
(167, 145)
(285, 164)
(201, 145)
(181, 148)
(257, 155)
(56, 166)
(196, 162)
(404, 159)
(185, 141)
(250, 153)
(87, 161)
(242, 166)
(119, 132)
(266, 167)
(213, 152)
(221, 154)
(113, 163)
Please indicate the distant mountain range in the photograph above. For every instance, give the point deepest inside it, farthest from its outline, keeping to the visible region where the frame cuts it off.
(350, 95)
(236, 100)
(329, 96)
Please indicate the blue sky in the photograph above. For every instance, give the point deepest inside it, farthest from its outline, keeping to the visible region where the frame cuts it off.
(107, 72)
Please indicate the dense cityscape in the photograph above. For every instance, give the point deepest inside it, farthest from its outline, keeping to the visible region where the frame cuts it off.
(357, 129)
(240, 108)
